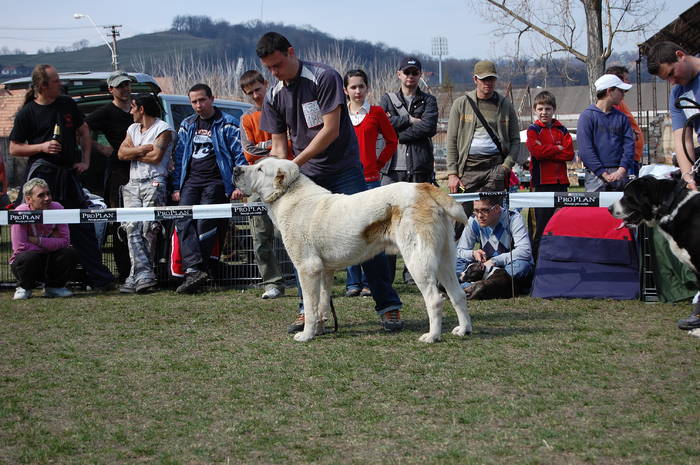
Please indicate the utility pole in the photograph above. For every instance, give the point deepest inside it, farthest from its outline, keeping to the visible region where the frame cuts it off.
(115, 55)
(115, 33)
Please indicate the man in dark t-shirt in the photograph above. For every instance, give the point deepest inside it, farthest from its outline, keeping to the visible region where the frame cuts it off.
(46, 130)
(309, 102)
(208, 148)
(113, 119)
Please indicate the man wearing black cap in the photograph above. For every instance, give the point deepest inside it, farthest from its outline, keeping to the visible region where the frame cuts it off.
(483, 137)
(414, 115)
(113, 119)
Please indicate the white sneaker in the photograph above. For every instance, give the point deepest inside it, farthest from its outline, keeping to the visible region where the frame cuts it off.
(22, 294)
(57, 292)
(273, 293)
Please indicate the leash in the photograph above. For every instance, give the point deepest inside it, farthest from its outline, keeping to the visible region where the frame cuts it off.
(335, 317)
(693, 105)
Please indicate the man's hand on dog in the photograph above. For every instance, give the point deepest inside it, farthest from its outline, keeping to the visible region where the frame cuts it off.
(479, 256)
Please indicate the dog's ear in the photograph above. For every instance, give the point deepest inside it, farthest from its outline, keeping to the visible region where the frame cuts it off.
(285, 175)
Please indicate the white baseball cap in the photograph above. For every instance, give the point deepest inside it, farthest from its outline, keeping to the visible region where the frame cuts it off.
(606, 81)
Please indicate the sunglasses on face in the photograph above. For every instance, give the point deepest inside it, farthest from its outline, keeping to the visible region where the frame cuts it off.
(411, 72)
(484, 211)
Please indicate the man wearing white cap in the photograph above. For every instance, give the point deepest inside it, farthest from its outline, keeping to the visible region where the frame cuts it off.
(605, 138)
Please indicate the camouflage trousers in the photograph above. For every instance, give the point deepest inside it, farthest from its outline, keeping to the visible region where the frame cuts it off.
(142, 235)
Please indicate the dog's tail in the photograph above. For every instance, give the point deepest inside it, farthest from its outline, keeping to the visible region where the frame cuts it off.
(453, 209)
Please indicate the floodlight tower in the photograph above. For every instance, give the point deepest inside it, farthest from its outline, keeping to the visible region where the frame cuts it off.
(439, 49)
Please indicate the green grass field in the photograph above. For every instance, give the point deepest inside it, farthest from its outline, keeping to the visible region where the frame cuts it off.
(215, 379)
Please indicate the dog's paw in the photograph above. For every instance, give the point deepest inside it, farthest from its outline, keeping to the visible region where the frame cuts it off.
(303, 337)
(429, 338)
(462, 331)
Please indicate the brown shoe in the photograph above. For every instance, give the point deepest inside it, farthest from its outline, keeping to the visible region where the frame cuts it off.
(297, 325)
(391, 321)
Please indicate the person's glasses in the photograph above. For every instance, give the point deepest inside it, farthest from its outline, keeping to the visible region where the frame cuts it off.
(484, 211)
(411, 72)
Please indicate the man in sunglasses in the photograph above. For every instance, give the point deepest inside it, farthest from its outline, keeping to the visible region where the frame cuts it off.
(413, 114)
(113, 119)
(605, 138)
(502, 239)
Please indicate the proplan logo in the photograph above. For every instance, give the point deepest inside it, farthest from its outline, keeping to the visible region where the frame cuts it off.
(97, 216)
(248, 210)
(25, 217)
(172, 213)
(576, 199)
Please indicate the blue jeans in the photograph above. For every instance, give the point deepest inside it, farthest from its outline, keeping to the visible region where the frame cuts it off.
(376, 269)
(197, 237)
(356, 278)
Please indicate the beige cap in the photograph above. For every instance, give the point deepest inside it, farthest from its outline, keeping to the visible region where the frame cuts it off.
(484, 69)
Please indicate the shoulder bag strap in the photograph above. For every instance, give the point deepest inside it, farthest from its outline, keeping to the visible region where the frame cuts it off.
(398, 104)
(493, 135)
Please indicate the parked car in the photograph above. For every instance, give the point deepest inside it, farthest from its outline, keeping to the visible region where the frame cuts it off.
(89, 90)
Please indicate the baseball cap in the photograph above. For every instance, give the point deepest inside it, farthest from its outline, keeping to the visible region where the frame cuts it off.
(606, 81)
(484, 69)
(410, 62)
(117, 78)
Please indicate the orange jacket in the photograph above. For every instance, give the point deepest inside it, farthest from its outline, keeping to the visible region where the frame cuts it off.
(256, 142)
(638, 134)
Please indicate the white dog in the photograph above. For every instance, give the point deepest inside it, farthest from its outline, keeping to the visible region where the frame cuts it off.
(324, 232)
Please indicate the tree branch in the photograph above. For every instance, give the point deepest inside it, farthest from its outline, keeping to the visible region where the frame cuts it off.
(534, 27)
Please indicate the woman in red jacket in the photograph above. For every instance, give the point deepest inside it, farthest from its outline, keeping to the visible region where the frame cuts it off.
(370, 122)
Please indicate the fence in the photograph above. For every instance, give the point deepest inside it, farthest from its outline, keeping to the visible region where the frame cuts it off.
(235, 268)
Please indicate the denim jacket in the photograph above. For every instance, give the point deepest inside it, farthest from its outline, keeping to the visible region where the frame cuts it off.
(225, 137)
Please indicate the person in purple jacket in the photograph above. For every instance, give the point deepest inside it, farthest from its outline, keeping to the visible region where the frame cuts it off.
(605, 138)
(41, 252)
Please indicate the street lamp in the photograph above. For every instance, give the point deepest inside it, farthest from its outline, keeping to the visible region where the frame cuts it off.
(112, 47)
(439, 49)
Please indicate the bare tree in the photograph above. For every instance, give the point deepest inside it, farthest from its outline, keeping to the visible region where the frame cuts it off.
(556, 22)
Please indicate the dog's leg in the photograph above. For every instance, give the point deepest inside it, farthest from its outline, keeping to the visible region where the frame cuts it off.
(458, 298)
(324, 302)
(310, 283)
(425, 276)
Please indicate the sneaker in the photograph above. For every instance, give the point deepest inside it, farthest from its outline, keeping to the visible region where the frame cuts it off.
(145, 286)
(391, 321)
(273, 293)
(365, 292)
(57, 292)
(692, 322)
(297, 325)
(353, 292)
(193, 282)
(22, 294)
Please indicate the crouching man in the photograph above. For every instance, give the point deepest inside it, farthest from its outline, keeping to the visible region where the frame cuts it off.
(41, 252)
(504, 252)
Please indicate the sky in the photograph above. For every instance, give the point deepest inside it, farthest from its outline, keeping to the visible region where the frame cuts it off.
(408, 24)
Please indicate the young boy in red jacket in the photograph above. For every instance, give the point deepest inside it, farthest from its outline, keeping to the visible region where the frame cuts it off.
(550, 146)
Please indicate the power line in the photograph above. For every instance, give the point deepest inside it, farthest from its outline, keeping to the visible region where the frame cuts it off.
(42, 28)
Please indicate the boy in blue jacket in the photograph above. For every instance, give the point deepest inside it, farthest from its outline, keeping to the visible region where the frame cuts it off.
(605, 138)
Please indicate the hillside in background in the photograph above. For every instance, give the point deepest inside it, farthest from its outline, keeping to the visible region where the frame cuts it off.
(220, 42)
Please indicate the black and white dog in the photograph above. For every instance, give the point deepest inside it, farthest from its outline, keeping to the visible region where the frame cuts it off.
(668, 204)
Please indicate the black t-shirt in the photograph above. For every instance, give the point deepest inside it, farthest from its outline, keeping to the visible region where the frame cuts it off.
(34, 124)
(203, 168)
(113, 122)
